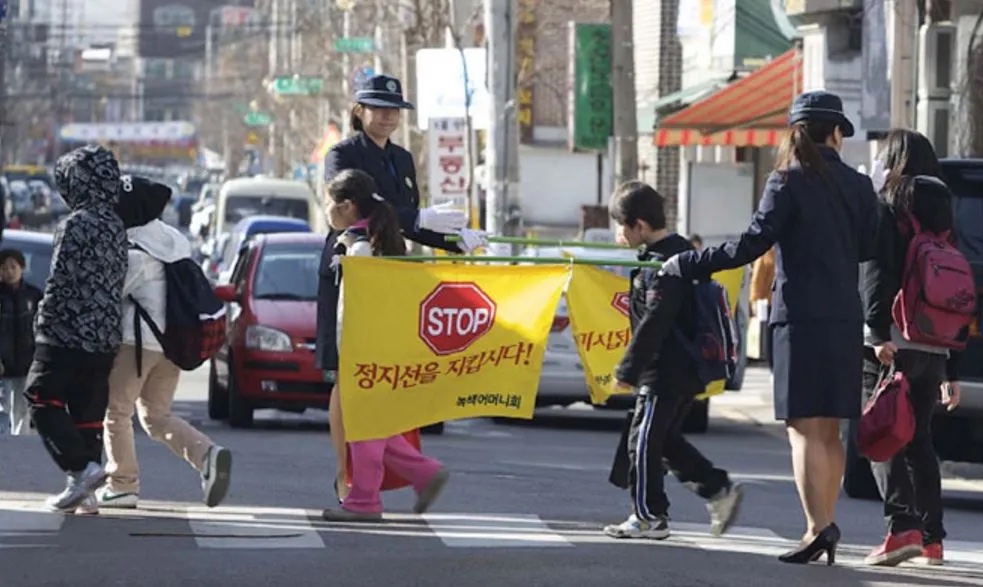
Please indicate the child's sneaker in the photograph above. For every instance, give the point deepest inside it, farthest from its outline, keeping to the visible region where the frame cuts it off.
(108, 498)
(657, 529)
(88, 507)
(431, 492)
(724, 507)
(217, 475)
(77, 487)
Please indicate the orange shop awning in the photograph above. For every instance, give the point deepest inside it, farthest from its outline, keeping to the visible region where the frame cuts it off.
(750, 112)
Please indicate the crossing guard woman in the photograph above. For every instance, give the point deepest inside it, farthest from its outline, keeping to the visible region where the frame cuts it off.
(374, 118)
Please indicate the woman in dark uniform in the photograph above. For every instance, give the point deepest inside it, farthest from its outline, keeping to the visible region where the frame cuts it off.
(822, 216)
(374, 118)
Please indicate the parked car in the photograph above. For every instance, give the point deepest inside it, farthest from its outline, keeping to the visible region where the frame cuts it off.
(246, 229)
(957, 435)
(562, 380)
(268, 359)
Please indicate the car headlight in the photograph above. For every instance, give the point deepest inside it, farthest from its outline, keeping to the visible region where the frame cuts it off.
(264, 338)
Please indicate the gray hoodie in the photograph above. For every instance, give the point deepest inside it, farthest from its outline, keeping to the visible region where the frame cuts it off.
(82, 304)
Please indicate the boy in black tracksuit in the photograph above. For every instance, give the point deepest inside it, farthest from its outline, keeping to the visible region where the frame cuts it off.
(664, 376)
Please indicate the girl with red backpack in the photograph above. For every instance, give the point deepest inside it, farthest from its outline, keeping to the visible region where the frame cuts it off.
(915, 209)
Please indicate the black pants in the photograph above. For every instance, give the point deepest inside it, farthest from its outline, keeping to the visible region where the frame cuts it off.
(656, 443)
(68, 390)
(910, 482)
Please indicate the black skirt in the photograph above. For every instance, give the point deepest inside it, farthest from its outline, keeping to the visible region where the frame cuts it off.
(818, 369)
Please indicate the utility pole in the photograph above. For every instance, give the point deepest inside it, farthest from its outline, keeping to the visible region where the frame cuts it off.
(502, 215)
(346, 65)
(625, 125)
(4, 146)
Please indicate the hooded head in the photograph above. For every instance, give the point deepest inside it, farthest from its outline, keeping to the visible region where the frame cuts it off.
(88, 177)
(141, 200)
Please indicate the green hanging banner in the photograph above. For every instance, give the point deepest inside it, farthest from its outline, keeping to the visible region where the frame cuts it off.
(591, 113)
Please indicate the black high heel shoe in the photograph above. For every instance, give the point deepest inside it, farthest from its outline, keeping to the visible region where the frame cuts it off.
(824, 542)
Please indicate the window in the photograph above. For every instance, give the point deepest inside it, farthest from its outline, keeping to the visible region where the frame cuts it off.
(288, 272)
(184, 70)
(239, 207)
(157, 68)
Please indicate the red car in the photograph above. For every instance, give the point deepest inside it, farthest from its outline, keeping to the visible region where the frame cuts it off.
(268, 360)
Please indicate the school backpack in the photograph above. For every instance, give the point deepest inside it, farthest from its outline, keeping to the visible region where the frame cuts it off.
(937, 299)
(713, 345)
(195, 319)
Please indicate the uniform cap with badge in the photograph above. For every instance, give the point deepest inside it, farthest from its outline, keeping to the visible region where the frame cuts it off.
(382, 91)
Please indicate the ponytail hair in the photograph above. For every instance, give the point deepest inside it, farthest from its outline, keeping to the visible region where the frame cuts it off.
(801, 145)
(385, 234)
(358, 187)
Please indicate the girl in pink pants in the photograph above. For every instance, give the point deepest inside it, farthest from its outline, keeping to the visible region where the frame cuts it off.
(372, 228)
(370, 459)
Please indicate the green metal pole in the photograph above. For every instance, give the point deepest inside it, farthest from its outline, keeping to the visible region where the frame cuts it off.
(543, 242)
(530, 260)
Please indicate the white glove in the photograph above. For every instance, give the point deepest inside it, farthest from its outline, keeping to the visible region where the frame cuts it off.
(878, 175)
(671, 267)
(444, 218)
(472, 239)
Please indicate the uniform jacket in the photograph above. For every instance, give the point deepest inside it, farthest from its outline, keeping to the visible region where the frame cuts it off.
(880, 281)
(660, 305)
(18, 305)
(823, 226)
(82, 304)
(156, 243)
(394, 173)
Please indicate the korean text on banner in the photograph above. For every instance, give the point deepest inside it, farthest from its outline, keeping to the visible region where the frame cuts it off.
(452, 341)
(598, 304)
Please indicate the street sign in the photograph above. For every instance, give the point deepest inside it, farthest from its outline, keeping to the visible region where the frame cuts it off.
(257, 119)
(354, 45)
(361, 74)
(297, 86)
(3, 10)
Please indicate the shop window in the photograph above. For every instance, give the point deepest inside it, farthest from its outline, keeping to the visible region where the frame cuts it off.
(156, 68)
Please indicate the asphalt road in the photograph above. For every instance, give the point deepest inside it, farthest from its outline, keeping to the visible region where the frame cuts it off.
(524, 507)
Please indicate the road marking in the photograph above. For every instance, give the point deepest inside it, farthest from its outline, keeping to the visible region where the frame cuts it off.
(263, 528)
(23, 523)
(494, 531)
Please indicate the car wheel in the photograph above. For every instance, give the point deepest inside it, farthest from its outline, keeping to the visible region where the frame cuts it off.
(218, 398)
(240, 411)
(698, 419)
(858, 481)
(433, 429)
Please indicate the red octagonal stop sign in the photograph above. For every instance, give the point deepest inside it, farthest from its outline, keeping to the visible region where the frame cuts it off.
(454, 315)
(621, 303)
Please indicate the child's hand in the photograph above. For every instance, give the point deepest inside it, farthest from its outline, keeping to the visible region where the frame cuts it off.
(622, 387)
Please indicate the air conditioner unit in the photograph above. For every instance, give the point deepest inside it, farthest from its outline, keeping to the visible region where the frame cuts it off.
(936, 54)
(934, 117)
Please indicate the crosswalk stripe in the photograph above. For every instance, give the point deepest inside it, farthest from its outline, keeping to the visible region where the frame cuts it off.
(25, 523)
(493, 531)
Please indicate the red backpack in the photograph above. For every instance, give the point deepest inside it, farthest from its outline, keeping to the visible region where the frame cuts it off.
(937, 300)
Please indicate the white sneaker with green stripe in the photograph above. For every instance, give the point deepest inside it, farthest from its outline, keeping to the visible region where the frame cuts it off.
(111, 499)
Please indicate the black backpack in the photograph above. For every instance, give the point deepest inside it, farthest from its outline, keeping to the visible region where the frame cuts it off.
(195, 326)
